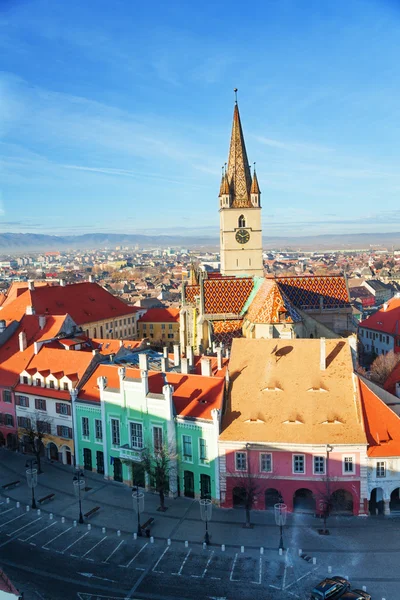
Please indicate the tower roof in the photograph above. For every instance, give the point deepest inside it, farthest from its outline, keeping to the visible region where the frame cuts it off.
(255, 188)
(238, 173)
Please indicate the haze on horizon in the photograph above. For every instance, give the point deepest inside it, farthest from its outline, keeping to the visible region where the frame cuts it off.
(116, 117)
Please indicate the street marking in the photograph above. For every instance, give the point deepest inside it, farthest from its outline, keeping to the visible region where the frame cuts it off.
(37, 533)
(75, 542)
(57, 536)
(32, 544)
(259, 573)
(11, 520)
(6, 511)
(115, 549)
(95, 546)
(183, 564)
(216, 578)
(233, 567)
(137, 554)
(23, 527)
(156, 565)
(140, 569)
(208, 562)
(300, 578)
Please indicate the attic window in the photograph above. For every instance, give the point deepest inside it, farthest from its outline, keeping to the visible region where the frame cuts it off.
(254, 421)
(316, 389)
(334, 421)
(293, 422)
(203, 401)
(272, 389)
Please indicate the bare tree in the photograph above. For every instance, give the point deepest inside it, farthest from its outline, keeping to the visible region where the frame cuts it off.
(248, 488)
(36, 428)
(382, 366)
(157, 465)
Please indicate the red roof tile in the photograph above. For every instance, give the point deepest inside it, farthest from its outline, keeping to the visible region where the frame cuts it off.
(382, 425)
(383, 320)
(226, 296)
(160, 315)
(34, 390)
(54, 360)
(270, 305)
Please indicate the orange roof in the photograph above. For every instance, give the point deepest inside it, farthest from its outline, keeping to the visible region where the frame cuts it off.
(34, 390)
(54, 360)
(270, 305)
(106, 346)
(85, 302)
(382, 425)
(226, 295)
(383, 320)
(160, 315)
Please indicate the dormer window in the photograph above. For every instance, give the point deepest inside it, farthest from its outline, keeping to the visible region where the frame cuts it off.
(25, 379)
(51, 384)
(66, 386)
(38, 381)
(241, 221)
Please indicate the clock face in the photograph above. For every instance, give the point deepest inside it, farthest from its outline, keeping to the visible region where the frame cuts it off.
(242, 236)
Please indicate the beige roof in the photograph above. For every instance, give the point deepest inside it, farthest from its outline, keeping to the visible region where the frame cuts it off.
(280, 394)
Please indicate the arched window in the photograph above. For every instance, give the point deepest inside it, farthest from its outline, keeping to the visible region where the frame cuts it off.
(242, 221)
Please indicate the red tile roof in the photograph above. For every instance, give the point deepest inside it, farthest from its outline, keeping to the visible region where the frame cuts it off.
(160, 315)
(305, 292)
(383, 320)
(226, 296)
(34, 390)
(270, 305)
(382, 425)
(70, 362)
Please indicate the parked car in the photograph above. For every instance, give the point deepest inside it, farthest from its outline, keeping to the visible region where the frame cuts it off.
(356, 595)
(330, 588)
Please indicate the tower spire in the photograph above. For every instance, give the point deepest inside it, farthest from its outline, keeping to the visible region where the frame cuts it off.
(239, 176)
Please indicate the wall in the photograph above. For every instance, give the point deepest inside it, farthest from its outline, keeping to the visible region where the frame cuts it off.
(235, 257)
(122, 328)
(8, 432)
(156, 332)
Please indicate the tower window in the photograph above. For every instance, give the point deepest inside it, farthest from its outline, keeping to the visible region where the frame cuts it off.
(242, 221)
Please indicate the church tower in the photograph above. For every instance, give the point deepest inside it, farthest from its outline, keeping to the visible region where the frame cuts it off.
(240, 211)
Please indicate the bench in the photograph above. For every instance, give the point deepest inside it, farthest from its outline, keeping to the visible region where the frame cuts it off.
(12, 484)
(91, 512)
(48, 497)
(146, 526)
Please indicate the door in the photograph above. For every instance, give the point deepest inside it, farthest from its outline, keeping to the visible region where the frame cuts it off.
(117, 469)
(87, 459)
(100, 462)
(53, 451)
(188, 482)
(205, 487)
(138, 475)
(69, 458)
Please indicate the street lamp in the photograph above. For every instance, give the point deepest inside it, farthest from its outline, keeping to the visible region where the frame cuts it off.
(280, 519)
(31, 477)
(138, 506)
(205, 513)
(79, 484)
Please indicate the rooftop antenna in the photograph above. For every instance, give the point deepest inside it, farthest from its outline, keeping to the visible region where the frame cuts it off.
(235, 90)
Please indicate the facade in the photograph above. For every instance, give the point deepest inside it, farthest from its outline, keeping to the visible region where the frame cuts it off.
(240, 211)
(160, 325)
(294, 429)
(381, 291)
(380, 333)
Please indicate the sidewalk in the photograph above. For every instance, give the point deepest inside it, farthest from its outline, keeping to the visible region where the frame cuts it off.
(182, 519)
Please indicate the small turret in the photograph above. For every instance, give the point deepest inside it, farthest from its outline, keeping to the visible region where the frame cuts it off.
(255, 192)
(224, 191)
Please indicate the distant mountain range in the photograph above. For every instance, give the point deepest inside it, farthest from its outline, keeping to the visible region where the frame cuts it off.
(20, 242)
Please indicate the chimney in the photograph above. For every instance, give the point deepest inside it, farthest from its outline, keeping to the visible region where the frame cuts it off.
(121, 372)
(185, 366)
(227, 353)
(42, 321)
(322, 360)
(177, 355)
(62, 282)
(31, 285)
(29, 310)
(385, 306)
(206, 370)
(111, 357)
(219, 358)
(143, 362)
(2, 326)
(165, 352)
(121, 343)
(102, 382)
(91, 279)
(22, 341)
(164, 364)
(95, 352)
(190, 355)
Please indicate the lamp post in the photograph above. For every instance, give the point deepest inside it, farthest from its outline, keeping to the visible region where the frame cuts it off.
(205, 513)
(138, 506)
(280, 519)
(79, 484)
(31, 477)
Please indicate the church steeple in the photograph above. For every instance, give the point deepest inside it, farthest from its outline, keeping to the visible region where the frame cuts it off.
(239, 177)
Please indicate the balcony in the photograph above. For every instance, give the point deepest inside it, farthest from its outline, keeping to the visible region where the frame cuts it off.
(133, 454)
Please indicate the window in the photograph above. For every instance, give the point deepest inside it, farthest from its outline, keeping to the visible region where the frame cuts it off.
(348, 464)
(380, 469)
(124, 321)
(203, 450)
(7, 396)
(63, 409)
(187, 447)
(120, 323)
(136, 435)
(151, 326)
(115, 432)
(170, 326)
(241, 221)
(298, 463)
(129, 321)
(65, 386)
(157, 438)
(9, 420)
(387, 339)
(51, 384)
(85, 427)
(40, 403)
(24, 422)
(170, 336)
(266, 463)
(43, 426)
(319, 465)
(240, 461)
(98, 429)
(38, 381)
(144, 326)
(64, 432)
(162, 325)
(22, 401)
(25, 379)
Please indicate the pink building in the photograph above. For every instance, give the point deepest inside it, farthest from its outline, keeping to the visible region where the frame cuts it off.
(293, 429)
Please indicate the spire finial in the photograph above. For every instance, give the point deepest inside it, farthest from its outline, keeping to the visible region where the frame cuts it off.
(225, 167)
(236, 91)
(254, 167)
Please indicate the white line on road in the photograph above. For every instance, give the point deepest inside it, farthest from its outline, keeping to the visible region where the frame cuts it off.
(208, 563)
(233, 567)
(54, 538)
(24, 526)
(95, 546)
(259, 573)
(300, 578)
(113, 552)
(183, 564)
(75, 542)
(286, 566)
(11, 520)
(157, 563)
(6, 511)
(137, 554)
(37, 533)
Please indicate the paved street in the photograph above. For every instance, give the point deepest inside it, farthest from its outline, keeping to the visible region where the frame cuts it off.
(50, 557)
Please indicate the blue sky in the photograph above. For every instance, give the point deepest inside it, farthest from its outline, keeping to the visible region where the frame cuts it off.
(116, 116)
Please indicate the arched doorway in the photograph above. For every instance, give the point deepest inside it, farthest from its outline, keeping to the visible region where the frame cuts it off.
(52, 451)
(272, 497)
(12, 441)
(304, 501)
(238, 497)
(66, 455)
(376, 502)
(341, 502)
(395, 501)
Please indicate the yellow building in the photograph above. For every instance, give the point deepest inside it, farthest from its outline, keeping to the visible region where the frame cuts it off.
(160, 325)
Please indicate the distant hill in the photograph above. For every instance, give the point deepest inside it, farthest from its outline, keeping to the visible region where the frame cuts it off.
(20, 242)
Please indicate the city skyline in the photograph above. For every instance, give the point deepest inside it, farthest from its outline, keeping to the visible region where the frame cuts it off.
(118, 121)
